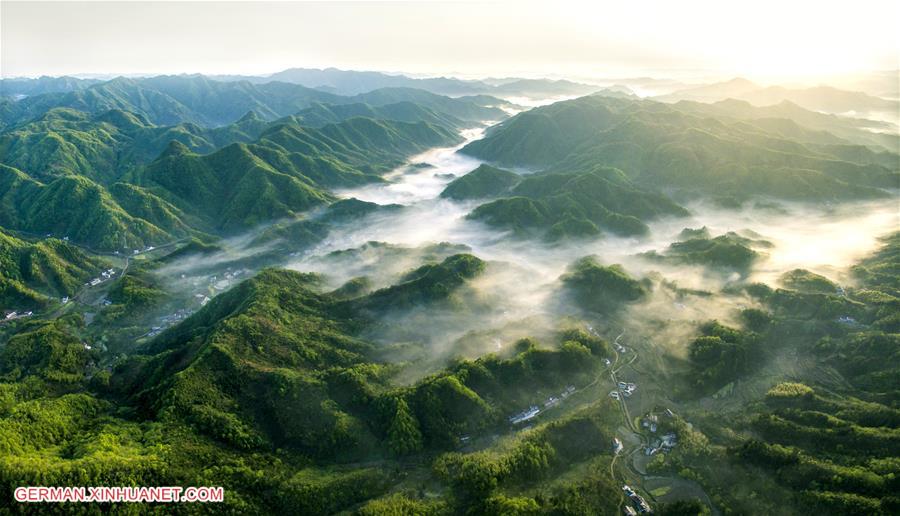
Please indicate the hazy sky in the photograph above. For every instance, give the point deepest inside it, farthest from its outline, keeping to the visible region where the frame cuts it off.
(763, 39)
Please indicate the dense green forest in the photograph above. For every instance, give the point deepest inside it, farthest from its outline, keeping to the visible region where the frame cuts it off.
(307, 296)
(696, 150)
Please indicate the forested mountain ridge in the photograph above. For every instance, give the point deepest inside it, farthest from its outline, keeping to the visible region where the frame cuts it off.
(94, 168)
(661, 146)
(171, 100)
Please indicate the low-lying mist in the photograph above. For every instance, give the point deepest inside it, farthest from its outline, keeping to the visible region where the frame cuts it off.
(519, 293)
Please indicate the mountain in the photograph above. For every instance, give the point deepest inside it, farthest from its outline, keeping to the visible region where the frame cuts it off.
(25, 87)
(85, 194)
(351, 82)
(483, 182)
(29, 272)
(287, 171)
(64, 141)
(354, 82)
(542, 88)
(793, 122)
(729, 252)
(470, 109)
(77, 208)
(321, 114)
(427, 284)
(664, 146)
(821, 98)
(171, 100)
(733, 88)
(818, 98)
(598, 288)
(558, 206)
(268, 370)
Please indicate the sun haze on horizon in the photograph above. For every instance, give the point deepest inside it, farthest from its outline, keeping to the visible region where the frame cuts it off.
(765, 41)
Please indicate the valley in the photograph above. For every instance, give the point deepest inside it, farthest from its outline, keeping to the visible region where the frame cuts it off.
(562, 300)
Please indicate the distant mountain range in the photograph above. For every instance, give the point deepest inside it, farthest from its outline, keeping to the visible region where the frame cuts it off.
(136, 162)
(329, 80)
(171, 100)
(100, 166)
(818, 98)
(247, 92)
(730, 151)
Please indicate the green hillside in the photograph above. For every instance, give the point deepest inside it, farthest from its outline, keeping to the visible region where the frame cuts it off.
(483, 182)
(576, 205)
(31, 271)
(101, 147)
(599, 288)
(469, 109)
(73, 207)
(268, 380)
(428, 284)
(729, 252)
(318, 114)
(661, 146)
(286, 172)
(92, 186)
(823, 438)
(172, 100)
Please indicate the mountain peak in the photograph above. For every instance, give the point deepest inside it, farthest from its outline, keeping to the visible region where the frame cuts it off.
(740, 81)
(249, 116)
(175, 148)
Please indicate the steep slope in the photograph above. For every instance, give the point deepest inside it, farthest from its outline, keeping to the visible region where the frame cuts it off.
(319, 115)
(775, 118)
(44, 84)
(31, 271)
(558, 206)
(728, 252)
(287, 170)
(818, 98)
(171, 100)
(483, 182)
(273, 362)
(430, 283)
(476, 109)
(74, 207)
(602, 289)
(228, 190)
(354, 82)
(661, 146)
(101, 147)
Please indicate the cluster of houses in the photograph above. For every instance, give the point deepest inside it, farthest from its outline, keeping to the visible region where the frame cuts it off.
(532, 411)
(526, 415)
(11, 315)
(624, 389)
(214, 282)
(640, 505)
(664, 444)
(849, 321)
(104, 276)
(169, 320)
(219, 283)
(650, 422)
